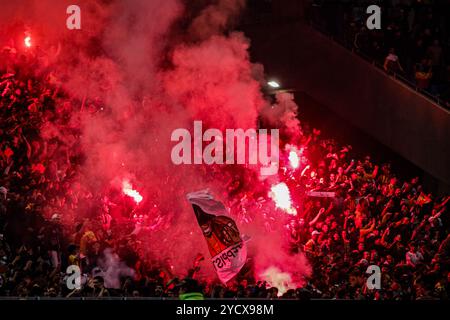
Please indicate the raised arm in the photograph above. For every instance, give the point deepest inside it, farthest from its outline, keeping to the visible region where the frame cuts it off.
(313, 221)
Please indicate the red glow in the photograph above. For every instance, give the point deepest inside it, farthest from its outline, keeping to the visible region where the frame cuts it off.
(129, 191)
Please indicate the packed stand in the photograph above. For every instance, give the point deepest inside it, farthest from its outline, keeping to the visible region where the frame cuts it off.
(368, 217)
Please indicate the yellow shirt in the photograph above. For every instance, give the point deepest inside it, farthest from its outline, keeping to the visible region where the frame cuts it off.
(87, 237)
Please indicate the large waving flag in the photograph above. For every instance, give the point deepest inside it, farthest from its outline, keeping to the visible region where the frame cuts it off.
(227, 249)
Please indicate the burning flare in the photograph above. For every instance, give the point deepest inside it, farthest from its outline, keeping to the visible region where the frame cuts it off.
(294, 159)
(282, 197)
(27, 41)
(279, 279)
(129, 191)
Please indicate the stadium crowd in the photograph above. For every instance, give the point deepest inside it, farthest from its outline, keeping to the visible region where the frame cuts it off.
(372, 218)
(413, 40)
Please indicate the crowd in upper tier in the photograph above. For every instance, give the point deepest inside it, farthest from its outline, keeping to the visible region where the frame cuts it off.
(413, 40)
